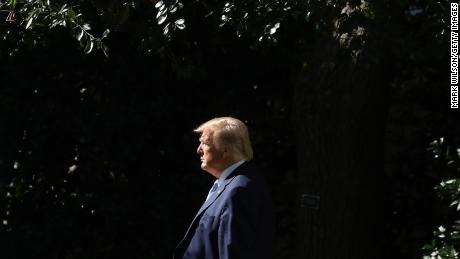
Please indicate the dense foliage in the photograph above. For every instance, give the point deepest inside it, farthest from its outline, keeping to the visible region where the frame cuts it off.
(447, 237)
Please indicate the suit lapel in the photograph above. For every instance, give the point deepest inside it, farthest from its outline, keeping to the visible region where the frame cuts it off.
(215, 196)
(221, 189)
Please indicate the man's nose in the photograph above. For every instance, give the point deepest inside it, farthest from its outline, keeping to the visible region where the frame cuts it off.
(198, 150)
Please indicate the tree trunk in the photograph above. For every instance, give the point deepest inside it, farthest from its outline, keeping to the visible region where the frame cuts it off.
(339, 108)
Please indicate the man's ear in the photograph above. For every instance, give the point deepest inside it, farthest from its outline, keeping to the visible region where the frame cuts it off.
(226, 150)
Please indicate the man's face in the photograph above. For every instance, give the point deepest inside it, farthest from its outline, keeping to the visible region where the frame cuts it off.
(211, 156)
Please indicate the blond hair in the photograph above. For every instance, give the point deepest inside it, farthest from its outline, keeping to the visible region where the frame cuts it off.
(231, 132)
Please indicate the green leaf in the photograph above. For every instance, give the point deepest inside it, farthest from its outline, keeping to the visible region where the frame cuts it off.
(162, 19)
(63, 9)
(80, 35)
(180, 24)
(430, 246)
(159, 4)
(72, 15)
(106, 33)
(86, 27)
(105, 50)
(29, 22)
(89, 46)
(166, 29)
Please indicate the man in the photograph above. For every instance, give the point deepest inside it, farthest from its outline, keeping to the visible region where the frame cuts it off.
(236, 220)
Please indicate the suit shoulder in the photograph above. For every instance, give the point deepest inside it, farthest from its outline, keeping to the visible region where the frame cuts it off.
(250, 182)
(241, 180)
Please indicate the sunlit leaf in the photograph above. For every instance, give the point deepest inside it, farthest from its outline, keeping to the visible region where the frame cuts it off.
(105, 50)
(29, 23)
(89, 46)
(63, 10)
(72, 168)
(274, 28)
(106, 33)
(162, 19)
(80, 35)
(166, 29)
(160, 13)
(158, 4)
(180, 24)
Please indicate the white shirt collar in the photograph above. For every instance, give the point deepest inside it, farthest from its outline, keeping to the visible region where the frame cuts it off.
(228, 171)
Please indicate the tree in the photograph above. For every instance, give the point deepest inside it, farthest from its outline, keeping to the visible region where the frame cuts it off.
(340, 110)
(445, 244)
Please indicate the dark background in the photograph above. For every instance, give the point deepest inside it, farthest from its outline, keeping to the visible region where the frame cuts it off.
(98, 155)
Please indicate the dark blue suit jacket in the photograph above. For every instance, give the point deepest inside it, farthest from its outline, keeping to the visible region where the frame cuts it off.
(235, 223)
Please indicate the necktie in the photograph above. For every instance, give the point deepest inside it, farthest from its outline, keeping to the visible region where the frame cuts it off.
(213, 190)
